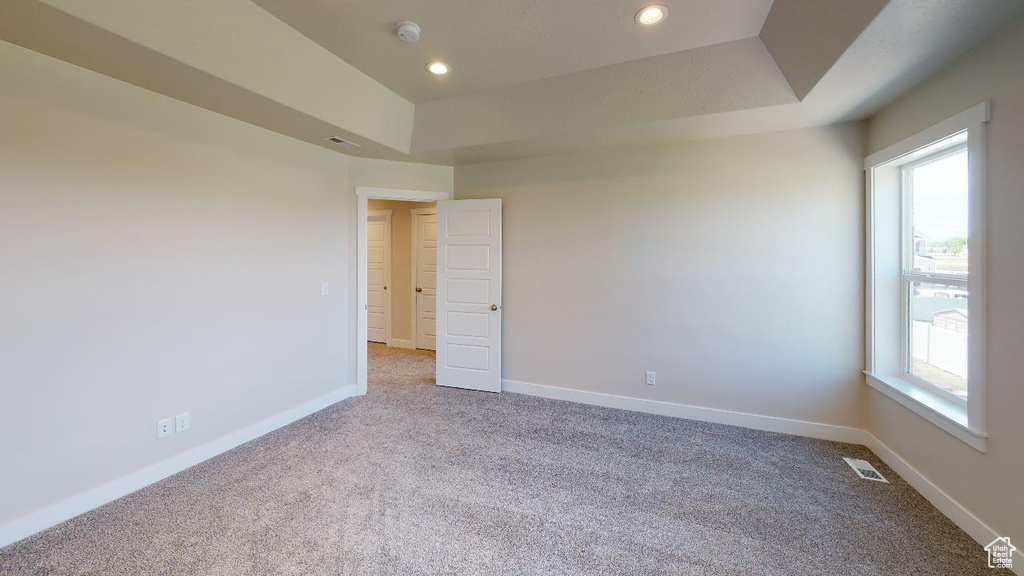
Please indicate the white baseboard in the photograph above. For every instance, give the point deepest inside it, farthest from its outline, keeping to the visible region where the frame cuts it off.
(757, 422)
(961, 516)
(395, 342)
(40, 520)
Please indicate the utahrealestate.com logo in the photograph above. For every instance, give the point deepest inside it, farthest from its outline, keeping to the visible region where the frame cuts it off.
(1000, 553)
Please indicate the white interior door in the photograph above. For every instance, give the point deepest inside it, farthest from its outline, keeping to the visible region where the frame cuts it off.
(425, 279)
(469, 294)
(378, 276)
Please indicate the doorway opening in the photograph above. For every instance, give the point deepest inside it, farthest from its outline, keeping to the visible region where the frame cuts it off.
(454, 271)
(401, 289)
(364, 195)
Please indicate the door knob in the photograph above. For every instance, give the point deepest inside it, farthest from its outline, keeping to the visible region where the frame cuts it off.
(385, 287)
(418, 289)
(494, 306)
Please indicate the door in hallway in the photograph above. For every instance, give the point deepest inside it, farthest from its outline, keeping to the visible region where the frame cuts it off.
(425, 277)
(378, 276)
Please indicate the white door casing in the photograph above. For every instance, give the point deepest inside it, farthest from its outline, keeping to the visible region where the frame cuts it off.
(469, 294)
(424, 261)
(363, 195)
(378, 276)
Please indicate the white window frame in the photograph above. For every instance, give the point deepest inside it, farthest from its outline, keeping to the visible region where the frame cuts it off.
(887, 347)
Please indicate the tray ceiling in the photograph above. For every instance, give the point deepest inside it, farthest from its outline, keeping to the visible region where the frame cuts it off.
(495, 43)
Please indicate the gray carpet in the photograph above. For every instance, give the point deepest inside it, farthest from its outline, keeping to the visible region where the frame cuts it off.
(414, 479)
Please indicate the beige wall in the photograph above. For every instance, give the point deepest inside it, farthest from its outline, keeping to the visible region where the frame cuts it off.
(401, 175)
(989, 485)
(731, 267)
(401, 263)
(159, 258)
(156, 258)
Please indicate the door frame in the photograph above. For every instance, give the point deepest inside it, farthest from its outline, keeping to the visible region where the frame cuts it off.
(388, 303)
(415, 267)
(363, 195)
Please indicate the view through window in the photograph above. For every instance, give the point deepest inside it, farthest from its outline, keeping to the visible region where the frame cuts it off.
(935, 271)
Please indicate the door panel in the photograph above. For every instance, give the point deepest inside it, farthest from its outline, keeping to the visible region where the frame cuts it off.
(469, 223)
(426, 280)
(469, 258)
(473, 324)
(463, 357)
(469, 294)
(468, 291)
(378, 271)
(428, 256)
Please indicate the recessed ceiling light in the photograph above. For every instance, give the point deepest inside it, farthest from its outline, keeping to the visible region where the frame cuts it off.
(651, 15)
(438, 68)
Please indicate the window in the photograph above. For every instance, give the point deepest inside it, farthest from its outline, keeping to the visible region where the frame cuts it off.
(926, 206)
(935, 272)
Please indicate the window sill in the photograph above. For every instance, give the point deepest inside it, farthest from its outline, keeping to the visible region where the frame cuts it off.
(947, 415)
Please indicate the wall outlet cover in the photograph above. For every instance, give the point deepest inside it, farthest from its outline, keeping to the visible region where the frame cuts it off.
(164, 428)
(182, 422)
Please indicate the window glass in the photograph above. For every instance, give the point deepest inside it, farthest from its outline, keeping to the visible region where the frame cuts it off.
(936, 238)
(938, 327)
(938, 209)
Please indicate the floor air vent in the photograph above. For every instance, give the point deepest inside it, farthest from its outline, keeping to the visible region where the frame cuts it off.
(865, 470)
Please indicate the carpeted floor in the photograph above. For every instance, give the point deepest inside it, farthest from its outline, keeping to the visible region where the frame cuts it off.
(415, 479)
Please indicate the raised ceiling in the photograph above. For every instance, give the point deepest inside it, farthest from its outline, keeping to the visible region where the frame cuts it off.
(492, 44)
(528, 77)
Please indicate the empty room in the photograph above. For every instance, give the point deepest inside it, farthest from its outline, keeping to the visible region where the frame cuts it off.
(511, 287)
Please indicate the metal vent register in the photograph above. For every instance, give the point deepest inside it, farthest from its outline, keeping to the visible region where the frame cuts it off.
(343, 142)
(865, 470)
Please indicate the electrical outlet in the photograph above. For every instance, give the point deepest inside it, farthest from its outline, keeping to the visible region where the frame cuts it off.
(650, 378)
(182, 422)
(164, 428)
(324, 288)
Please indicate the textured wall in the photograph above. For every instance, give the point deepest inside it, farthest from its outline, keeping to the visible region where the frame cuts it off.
(732, 267)
(979, 482)
(401, 175)
(157, 258)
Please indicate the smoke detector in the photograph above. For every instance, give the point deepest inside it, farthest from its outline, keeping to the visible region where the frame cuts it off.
(409, 32)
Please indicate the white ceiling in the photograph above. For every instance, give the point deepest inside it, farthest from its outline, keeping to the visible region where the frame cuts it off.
(900, 48)
(527, 78)
(495, 43)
